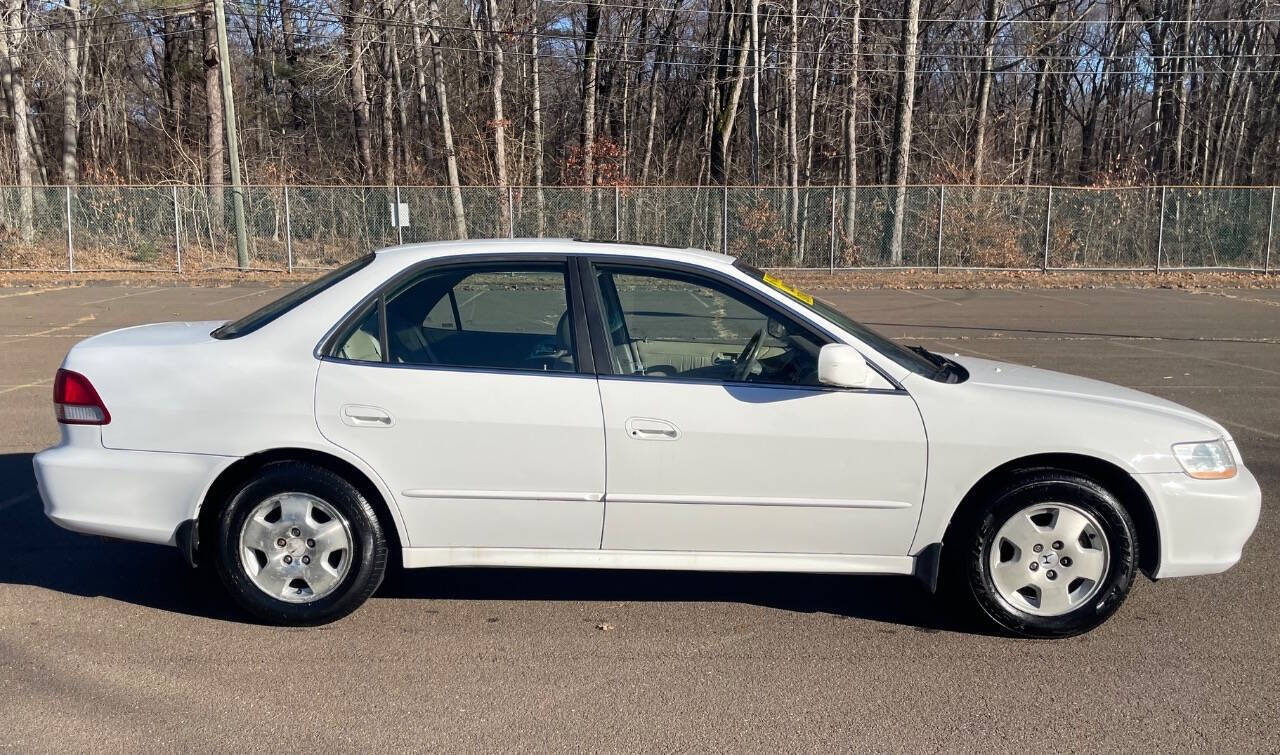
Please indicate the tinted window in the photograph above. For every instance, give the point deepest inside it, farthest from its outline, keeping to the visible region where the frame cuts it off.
(263, 315)
(510, 317)
(679, 326)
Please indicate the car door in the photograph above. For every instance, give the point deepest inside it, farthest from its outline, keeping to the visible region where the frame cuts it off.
(465, 388)
(706, 455)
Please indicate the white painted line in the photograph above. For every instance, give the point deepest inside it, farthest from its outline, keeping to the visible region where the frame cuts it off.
(124, 296)
(38, 384)
(1211, 360)
(241, 296)
(35, 291)
(1251, 428)
(935, 298)
(55, 329)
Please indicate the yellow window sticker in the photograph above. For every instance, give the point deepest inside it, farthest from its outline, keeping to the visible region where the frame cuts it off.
(789, 290)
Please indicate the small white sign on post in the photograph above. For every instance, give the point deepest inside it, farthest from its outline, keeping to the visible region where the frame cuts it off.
(399, 214)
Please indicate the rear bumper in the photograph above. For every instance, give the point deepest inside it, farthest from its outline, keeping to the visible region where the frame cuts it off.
(131, 495)
(1204, 524)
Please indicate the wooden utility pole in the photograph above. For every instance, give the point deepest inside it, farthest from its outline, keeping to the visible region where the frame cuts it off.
(233, 137)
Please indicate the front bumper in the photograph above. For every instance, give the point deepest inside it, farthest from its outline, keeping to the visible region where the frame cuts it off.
(131, 495)
(1204, 524)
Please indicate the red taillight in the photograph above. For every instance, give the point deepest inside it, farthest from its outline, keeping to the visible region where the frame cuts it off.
(75, 402)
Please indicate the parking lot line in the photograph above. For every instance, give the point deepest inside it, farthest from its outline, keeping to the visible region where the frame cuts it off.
(124, 296)
(38, 384)
(1222, 362)
(36, 291)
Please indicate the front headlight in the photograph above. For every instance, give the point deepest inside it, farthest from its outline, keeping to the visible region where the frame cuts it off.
(1207, 460)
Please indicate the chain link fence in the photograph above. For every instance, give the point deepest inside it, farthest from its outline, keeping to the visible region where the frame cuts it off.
(186, 228)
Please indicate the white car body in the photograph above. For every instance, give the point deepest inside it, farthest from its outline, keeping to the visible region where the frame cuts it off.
(493, 468)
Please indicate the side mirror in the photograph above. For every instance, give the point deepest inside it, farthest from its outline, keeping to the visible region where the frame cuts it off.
(841, 364)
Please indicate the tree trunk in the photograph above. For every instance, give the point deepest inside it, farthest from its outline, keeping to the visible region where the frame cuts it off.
(71, 96)
(420, 83)
(297, 105)
(14, 37)
(755, 90)
(728, 101)
(590, 84)
(499, 118)
(993, 10)
(353, 28)
(793, 154)
(901, 159)
(215, 156)
(851, 136)
(536, 96)
(446, 126)
(388, 100)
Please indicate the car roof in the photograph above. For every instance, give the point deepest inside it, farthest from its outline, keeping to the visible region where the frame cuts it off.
(534, 246)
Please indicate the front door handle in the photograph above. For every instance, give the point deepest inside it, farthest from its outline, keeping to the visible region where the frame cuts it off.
(646, 428)
(358, 415)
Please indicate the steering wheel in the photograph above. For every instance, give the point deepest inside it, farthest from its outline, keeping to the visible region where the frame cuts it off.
(747, 359)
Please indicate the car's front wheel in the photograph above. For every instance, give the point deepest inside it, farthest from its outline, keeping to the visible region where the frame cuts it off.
(299, 545)
(1053, 555)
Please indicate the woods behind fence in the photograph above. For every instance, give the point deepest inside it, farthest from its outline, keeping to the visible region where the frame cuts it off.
(175, 228)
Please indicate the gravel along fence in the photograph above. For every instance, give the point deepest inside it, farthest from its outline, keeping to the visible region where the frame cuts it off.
(192, 228)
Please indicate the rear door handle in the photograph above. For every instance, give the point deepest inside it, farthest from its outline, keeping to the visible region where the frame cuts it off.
(646, 428)
(358, 415)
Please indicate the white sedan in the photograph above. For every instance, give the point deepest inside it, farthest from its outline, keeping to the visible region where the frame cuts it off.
(554, 403)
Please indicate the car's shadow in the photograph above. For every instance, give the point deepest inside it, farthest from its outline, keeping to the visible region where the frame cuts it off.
(40, 554)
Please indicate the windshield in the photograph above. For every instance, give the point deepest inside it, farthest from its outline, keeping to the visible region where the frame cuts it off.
(263, 315)
(916, 359)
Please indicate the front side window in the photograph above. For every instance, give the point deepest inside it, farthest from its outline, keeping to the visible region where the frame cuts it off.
(673, 325)
(500, 317)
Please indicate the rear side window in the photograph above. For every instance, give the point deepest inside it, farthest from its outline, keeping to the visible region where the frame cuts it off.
(263, 315)
(507, 317)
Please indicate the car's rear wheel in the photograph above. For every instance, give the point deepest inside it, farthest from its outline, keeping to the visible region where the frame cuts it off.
(299, 545)
(1053, 555)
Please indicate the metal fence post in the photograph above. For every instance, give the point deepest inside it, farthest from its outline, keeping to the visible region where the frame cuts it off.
(942, 202)
(288, 230)
(1160, 236)
(1048, 217)
(724, 219)
(71, 259)
(1271, 224)
(831, 251)
(617, 217)
(399, 222)
(177, 231)
(511, 213)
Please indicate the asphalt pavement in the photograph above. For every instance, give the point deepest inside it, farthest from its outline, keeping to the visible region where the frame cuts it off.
(111, 646)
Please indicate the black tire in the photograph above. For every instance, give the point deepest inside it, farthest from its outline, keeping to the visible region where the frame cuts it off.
(966, 554)
(368, 552)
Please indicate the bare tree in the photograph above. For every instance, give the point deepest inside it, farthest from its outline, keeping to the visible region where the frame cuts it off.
(446, 125)
(536, 95)
(900, 161)
(11, 48)
(735, 41)
(71, 96)
(499, 122)
(990, 27)
(590, 90)
(215, 145)
(353, 26)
